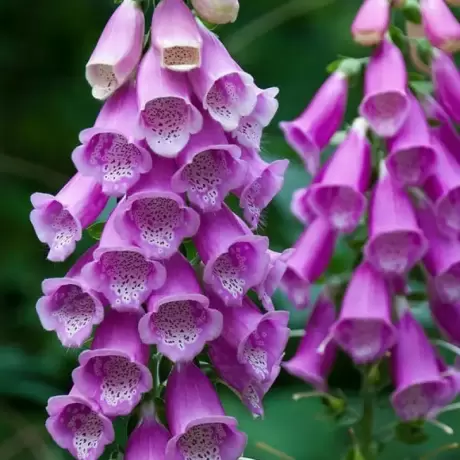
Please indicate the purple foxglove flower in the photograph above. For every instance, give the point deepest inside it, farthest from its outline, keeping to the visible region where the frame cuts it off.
(259, 339)
(311, 363)
(364, 328)
(167, 115)
(209, 167)
(386, 103)
(371, 22)
(311, 256)
(396, 243)
(440, 25)
(76, 424)
(262, 183)
(118, 50)
(176, 36)
(235, 259)
(121, 271)
(250, 128)
(114, 372)
(450, 377)
(217, 11)
(59, 220)
(111, 151)
(152, 216)
(69, 306)
(412, 158)
(311, 132)
(196, 418)
(179, 321)
(339, 196)
(226, 91)
(418, 382)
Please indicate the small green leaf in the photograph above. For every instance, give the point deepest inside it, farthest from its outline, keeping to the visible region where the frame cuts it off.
(411, 432)
(424, 50)
(415, 76)
(411, 11)
(424, 88)
(398, 37)
(95, 230)
(333, 66)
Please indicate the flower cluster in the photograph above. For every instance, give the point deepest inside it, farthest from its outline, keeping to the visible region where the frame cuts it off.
(396, 177)
(179, 130)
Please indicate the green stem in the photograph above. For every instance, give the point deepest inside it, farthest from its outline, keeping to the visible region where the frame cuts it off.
(367, 419)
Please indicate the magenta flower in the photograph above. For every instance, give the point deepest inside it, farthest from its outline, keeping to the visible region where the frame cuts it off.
(225, 90)
(235, 259)
(311, 256)
(76, 424)
(114, 372)
(446, 315)
(179, 321)
(316, 353)
(364, 328)
(311, 132)
(339, 196)
(167, 115)
(69, 306)
(176, 36)
(59, 220)
(396, 243)
(152, 216)
(386, 102)
(118, 50)
(196, 418)
(209, 167)
(217, 11)
(371, 22)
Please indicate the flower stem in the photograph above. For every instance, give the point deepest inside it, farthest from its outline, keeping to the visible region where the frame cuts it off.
(367, 419)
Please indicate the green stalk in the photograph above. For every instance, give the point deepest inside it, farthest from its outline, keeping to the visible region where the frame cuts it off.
(367, 419)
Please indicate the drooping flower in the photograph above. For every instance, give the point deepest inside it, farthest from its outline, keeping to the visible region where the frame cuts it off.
(112, 152)
(217, 11)
(76, 424)
(386, 103)
(167, 115)
(209, 167)
(339, 196)
(311, 363)
(59, 220)
(122, 271)
(196, 418)
(114, 372)
(118, 50)
(179, 321)
(235, 259)
(371, 22)
(152, 216)
(69, 306)
(364, 329)
(311, 132)
(176, 36)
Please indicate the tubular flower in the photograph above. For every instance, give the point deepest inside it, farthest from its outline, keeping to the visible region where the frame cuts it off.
(217, 11)
(371, 22)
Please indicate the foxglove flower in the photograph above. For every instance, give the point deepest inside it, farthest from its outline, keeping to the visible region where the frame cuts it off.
(440, 25)
(217, 11)
(262, 183)
(152, 216)
(450, 377)
(396, 243)
(226, 91)
(418, 382)
(309, 260)
(249, 131)
(121, 271)
(114, 372)
(167, 115)
(364, 328)
(196, 418)
(412, 158)
(371, 22)
(118, 50)
(386, 102)
(59, 220)
(76, 424)
(235, 259)
(111, 150)
(339, 196)
(209, 167)
(69, 306)
(311, 132)
(176, 36)
(316, 353)
(179, 321)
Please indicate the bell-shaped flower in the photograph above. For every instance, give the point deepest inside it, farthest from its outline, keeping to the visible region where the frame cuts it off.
(371, 22)
(217, 11)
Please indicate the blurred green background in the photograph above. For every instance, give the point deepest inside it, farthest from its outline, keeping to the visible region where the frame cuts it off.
(45, 102)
